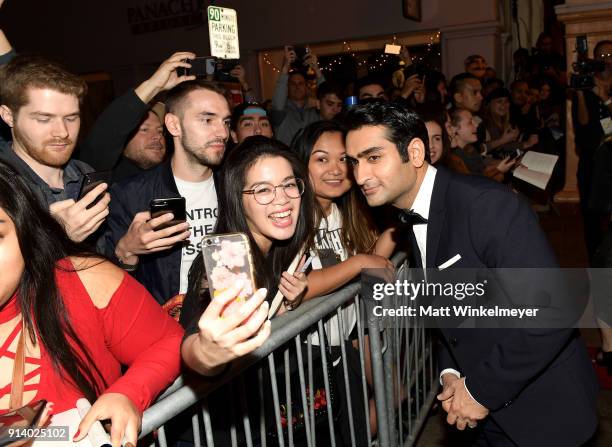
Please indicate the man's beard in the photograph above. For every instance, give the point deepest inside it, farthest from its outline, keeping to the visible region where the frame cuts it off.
(147, 157)
(43, 154)
(200, 154)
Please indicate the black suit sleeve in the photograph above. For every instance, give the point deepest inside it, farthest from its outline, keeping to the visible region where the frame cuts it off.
(506, 234)
(109, 135)
(445, 358)
(119, 219)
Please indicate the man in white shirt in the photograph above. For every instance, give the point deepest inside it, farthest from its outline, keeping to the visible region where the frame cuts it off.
(198, 118)
(512, 385)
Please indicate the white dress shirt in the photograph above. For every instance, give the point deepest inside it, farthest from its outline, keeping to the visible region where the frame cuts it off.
(420, 206)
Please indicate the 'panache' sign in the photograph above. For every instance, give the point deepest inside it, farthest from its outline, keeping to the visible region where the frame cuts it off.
(155, 15)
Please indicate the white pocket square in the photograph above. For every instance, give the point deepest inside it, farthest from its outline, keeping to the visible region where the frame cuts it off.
(450, 262)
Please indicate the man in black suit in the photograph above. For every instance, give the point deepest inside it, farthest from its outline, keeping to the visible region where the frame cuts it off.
(527, 386)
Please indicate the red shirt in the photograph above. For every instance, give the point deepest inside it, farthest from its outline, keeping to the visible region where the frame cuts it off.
(131, 330)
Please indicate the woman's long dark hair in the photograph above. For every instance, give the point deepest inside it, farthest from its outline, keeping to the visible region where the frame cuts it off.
(232, 218)
(43, 242)
(358, 231)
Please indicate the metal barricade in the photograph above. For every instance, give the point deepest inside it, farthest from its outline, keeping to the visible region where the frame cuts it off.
(403, 382)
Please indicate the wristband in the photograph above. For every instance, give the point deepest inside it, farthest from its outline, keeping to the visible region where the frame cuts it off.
(125, 266)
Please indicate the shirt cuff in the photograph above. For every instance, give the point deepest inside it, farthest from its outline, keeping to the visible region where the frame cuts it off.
(451, 371)
(470, 394)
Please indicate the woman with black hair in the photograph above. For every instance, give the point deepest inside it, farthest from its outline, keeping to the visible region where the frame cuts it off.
(346, 242)
(347, 238)
(70, 320)
(262, 193)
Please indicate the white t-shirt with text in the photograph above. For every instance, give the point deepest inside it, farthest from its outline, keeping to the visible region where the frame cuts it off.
(201, 207)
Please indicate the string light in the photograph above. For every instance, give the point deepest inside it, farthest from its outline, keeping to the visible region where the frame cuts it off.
(379, 61)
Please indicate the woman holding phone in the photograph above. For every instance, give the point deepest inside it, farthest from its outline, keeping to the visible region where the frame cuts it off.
(262, 193)
(69, 322)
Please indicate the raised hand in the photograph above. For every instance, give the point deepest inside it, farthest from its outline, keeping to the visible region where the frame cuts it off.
(220, 338)
(166, 76)
(289, 58)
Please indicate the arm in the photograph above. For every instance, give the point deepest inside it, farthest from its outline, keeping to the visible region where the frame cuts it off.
(5, 45)
(510, 134)
(385, 244)
(279, 99)
(515, 241)
(326, 280)
(130, 231)
(239, 73)
(139, 334)
(212, 342)
(582, 112)
(125, 311)
(108, 137)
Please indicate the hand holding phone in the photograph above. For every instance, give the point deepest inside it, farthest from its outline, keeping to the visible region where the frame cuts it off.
(82, 218)
(171, 205)
(144, 236)
(222, 338)
(90, 181)
(227, 259)
(200, 67)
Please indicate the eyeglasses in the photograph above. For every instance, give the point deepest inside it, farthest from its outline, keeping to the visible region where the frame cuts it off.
(265, 193)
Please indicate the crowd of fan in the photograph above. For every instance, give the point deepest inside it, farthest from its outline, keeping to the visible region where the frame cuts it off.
(177, 136)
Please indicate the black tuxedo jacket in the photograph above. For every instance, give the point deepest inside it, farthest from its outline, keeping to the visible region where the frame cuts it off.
(538, 384)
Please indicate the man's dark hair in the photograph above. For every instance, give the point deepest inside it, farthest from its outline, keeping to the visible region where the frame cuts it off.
(328, 88)
(402, 124)
(297, 73)
(369, 80)
(457, 84)
(175, 97)
(239, 110)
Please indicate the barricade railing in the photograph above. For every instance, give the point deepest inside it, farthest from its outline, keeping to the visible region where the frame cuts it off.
(296, 389)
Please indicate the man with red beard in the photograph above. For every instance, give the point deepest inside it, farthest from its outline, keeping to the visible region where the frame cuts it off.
(198, 119)
(41, 104)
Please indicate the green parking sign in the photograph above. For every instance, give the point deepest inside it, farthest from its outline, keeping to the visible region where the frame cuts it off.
(214, 13)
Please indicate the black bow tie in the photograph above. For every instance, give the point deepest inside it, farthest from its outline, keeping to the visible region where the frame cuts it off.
(412, 218)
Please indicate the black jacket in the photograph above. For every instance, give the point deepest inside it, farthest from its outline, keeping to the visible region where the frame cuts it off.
(158, 272)
(538, 383)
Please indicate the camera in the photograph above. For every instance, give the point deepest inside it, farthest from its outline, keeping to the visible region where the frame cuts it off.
(584, 68)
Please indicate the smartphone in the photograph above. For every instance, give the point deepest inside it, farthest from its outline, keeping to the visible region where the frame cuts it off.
(200, 67)
(90, 181)
(300, 52)
(17, 425)
(174, 205)
(227, 258)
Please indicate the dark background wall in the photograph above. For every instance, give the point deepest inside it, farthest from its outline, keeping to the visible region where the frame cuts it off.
(94, 36)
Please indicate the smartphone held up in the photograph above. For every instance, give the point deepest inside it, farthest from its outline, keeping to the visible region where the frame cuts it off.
(227, 259)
